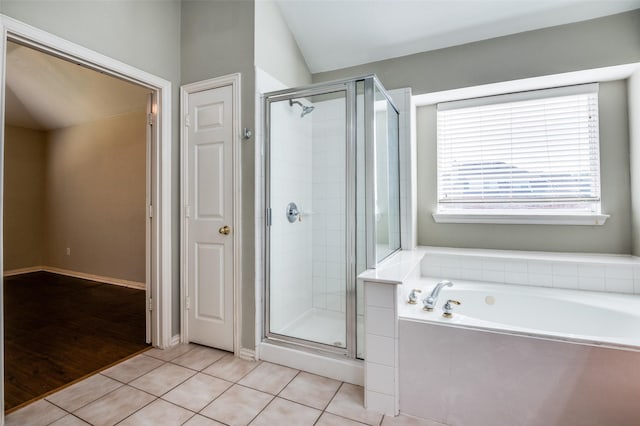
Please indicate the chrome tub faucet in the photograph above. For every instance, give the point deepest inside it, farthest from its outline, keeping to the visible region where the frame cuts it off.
(430, 301)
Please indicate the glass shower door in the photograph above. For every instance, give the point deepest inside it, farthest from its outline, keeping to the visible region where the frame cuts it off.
(307, 185)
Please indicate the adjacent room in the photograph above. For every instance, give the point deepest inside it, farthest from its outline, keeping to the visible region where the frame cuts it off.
(75, 185)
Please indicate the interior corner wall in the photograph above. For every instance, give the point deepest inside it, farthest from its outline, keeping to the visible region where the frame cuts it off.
(24, 189)
(276, 50)
(95, 186)
(217, 38)
(633, 93)
(143, 34)
(611, 40)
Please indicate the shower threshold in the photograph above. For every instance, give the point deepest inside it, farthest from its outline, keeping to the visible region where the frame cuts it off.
(319, 325)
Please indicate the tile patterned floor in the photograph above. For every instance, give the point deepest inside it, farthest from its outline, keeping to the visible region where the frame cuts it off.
(193, 385)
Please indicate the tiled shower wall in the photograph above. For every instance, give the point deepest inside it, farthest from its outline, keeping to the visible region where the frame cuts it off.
(329, 181)
(291, 181)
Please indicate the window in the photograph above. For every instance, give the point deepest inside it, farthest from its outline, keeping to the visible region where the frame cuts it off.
(522, 154)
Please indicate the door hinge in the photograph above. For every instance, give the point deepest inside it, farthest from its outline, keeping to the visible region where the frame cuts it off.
(269, 216)
(150, 211)
(187, 303)
(187, 211)
(151, 304)
(150, 119)
(187, 120)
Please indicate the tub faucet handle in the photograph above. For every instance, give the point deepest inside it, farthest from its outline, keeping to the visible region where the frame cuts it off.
(413, 297)
(430, 302)
(448, 309)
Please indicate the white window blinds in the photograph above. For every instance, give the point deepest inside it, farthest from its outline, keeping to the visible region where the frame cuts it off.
(525, 151)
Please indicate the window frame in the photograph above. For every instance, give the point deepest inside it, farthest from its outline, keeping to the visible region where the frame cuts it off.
(524, 215)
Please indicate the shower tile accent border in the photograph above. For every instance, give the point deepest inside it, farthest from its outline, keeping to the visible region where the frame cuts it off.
(575, 271)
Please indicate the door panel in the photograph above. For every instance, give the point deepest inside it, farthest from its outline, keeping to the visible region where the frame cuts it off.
(209, 299)
(210, 197)
(210, 166)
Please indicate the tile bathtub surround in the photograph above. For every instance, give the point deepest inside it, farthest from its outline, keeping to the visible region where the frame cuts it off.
(592, 272)
(381, 347)
(228, 391)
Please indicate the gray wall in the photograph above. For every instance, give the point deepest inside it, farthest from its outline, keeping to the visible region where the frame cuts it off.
(599, 42)
(144, 34)
(95, 189)
(596, 43)
(613, 237)
(218, 39)
(276, 51)
(24, 197)
(72, 188)
(634, 148)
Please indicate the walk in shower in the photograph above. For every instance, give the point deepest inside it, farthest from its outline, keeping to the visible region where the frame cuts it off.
(333, 209)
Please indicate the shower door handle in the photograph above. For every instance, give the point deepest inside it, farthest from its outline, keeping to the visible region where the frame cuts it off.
(225, 230)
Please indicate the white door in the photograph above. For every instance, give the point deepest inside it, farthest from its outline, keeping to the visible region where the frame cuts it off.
(209, 213)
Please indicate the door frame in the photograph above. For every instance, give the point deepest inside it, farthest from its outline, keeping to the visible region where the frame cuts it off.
(233, 80)
(159, 273)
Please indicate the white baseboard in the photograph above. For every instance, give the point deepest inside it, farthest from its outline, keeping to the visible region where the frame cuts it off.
(247, 354)
(107, 280)
(175, 340)
(21, 271)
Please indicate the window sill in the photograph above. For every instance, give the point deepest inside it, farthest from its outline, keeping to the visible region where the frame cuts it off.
(522, 219)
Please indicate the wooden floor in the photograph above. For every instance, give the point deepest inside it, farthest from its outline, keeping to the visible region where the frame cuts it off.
(59, 329)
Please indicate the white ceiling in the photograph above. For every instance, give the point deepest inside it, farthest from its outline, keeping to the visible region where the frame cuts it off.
(335, 34)
(46, 93)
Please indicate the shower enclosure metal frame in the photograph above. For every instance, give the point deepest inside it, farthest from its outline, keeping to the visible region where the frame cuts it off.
(349, 86)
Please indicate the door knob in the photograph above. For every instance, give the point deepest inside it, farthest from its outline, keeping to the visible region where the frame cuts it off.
(225, 230)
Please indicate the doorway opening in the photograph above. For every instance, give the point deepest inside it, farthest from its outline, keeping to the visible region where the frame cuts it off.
(75, 256)
(156, 283)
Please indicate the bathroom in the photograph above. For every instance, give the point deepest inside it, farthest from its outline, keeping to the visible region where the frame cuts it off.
(424, 378)
(594, 252)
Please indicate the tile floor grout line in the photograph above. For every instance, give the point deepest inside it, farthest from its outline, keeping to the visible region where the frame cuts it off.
(324, 410)
(90, 402)
(171, 359)
(344, 417)
(137, 377)
(258, 363)
(182, 382)
(321, 411)
(263, 408)
(214, 399)
(209, 417)
(151, 402)
(288, 383)
(131, 414)
(333, 396)
(185, 422)
(59, 408)
(132, 387)
(207, 404)
(206, 366)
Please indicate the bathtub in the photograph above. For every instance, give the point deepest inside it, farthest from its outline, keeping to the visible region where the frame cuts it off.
(518, 355)
(595, 318)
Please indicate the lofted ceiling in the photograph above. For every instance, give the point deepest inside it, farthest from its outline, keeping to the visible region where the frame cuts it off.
(44, 92)
(335, 34)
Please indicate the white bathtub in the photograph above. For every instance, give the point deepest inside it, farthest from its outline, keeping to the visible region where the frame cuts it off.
(509, 356)
(570, 315)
